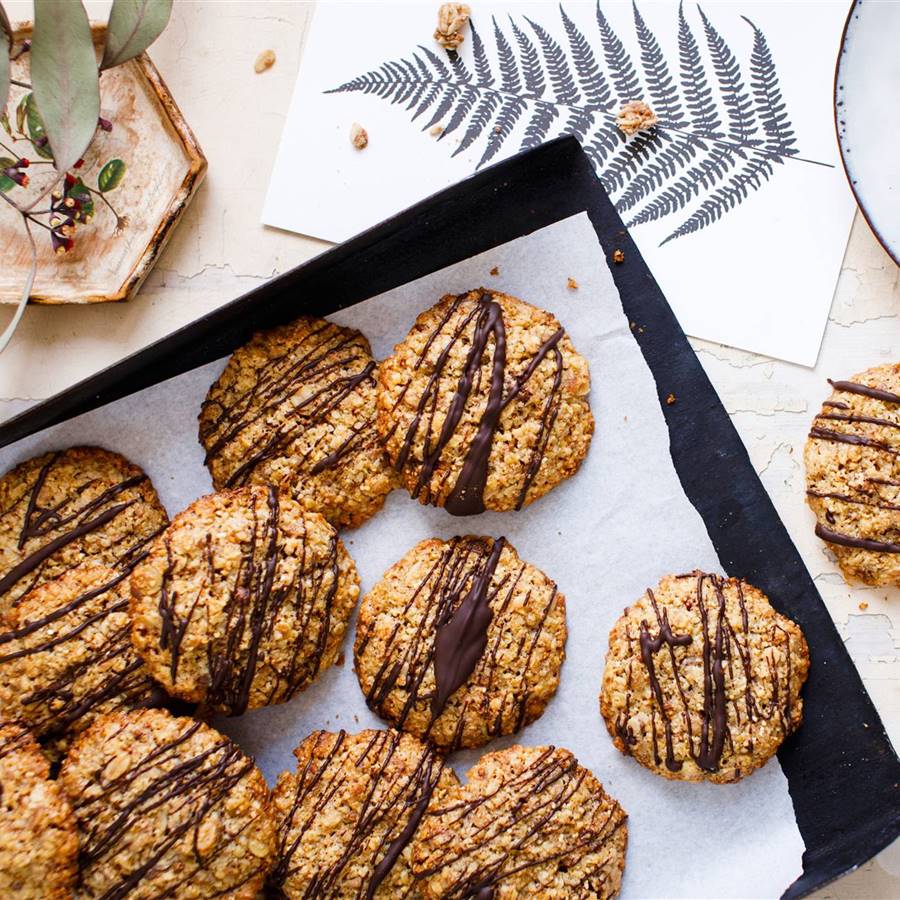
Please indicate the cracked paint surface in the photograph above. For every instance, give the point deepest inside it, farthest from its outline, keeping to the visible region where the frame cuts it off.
(220, 250)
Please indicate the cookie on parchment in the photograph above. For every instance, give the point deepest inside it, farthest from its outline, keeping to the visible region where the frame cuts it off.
(295, 407)
(853, 474)
(167, 807)
(703, 679)
(528, 822)
(346, 818)
(461, 641)
(66, 656)
(243, 600)
(38, 844)
(484, 404)
(68, 507)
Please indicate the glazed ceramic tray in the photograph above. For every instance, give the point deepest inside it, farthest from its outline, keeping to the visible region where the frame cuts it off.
(841, 770)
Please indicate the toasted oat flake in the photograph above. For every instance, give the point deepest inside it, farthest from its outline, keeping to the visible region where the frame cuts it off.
(572, 284)
(264, 61)
(635, 116)
(436, 130)
(618, 257)
(359, 137)
(452, 21)
(495, 270)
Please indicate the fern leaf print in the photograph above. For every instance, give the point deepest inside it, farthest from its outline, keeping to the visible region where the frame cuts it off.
(723, 128)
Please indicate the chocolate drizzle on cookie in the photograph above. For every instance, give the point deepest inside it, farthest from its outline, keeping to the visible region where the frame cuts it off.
(456, 603)
(488, 338)
(252, 608)
(723, 647)
(190, 784)
(298, 390)
(877, 442)
(47, 527)
(540, 818)
(391, 809)
(87, 670)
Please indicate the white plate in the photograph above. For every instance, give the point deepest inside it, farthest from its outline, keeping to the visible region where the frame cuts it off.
(867, 81)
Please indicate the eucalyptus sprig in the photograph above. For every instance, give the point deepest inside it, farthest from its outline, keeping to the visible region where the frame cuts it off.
(60, 116)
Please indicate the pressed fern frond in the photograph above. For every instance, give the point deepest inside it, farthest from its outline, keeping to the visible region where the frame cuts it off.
(718, 137)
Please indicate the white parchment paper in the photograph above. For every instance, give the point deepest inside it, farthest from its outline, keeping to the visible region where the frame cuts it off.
(604, 536)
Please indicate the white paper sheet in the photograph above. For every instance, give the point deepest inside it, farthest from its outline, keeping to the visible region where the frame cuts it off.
(605, 535)
(760, 277)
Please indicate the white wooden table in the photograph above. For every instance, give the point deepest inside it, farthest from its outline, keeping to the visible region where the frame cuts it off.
(220, 250)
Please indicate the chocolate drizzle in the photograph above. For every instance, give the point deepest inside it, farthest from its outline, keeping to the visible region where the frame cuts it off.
(488, 338)
(877, 440)
(394, 801)
(451, 612)
(251, 611)
(188, 784)
(102, 672)
(539, 818)
(299, 390)
(864, 390)
(723, 644)
(48, 527)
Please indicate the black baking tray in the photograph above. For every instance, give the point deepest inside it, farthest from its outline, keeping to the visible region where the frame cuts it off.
(843, 773)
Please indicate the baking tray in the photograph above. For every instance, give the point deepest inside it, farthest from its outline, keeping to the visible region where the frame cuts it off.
(843, 773)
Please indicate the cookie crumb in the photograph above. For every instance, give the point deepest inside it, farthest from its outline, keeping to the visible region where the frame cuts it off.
(436, 130)
(359, 137)
(635, 116)
(264, 61)
(618, 256)
(452, 21)
(495, 270)
(863, 605)
(670, 399)
(571, 284)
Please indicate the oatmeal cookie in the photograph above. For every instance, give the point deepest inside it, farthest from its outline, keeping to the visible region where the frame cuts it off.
(68, 507)
(461, 641)
(703, 679)
(38, 844)
(853, 474)
(484, 404)
(167, 807)
(529, 822)
(243, 600)
(295, 407)
(347, 816)
(66, 656)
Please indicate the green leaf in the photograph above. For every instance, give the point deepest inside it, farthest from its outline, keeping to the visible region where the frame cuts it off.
(21, 112)
(5, 182)
(65, 78)
(5, 28)
(5, 123)
(133, 26)
(111, 176)
(27, 111)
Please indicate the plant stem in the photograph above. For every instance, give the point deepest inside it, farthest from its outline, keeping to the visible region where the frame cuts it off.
(21, 84)
(10, 329)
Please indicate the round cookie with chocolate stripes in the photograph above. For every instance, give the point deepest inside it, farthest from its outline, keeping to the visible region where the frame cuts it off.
(484, 404)
(167, 807)
(703, 679)
(68, 507)
(243, 600)
(295, 407)
(528, 822)
(347, 817)
(853, 474)
(66, 656)
(461, 641)
(38, 843)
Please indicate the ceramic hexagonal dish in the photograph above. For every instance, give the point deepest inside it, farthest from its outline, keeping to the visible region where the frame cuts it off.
(164, 167)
